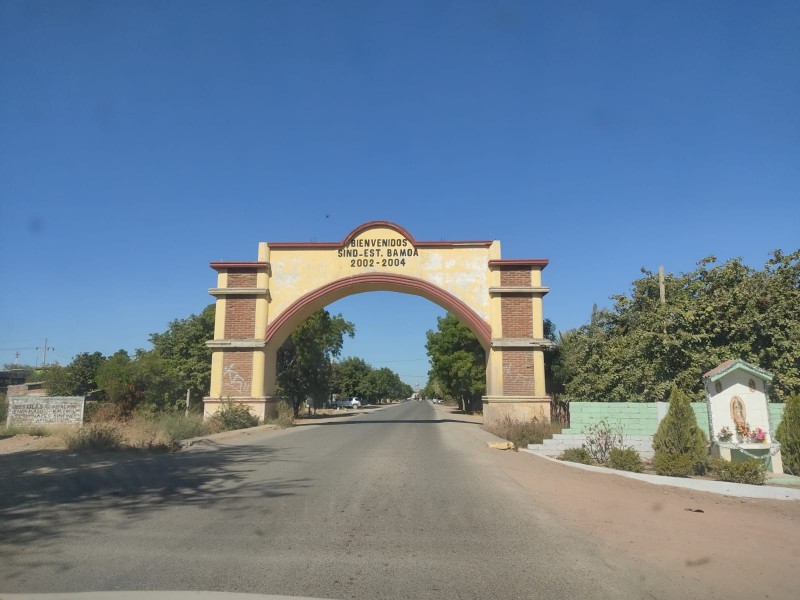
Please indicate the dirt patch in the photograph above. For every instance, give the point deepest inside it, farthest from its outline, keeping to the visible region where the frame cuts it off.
(735, 547)
(23, 442)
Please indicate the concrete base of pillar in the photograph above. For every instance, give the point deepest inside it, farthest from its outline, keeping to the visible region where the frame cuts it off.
(265, 407)
(519, 408)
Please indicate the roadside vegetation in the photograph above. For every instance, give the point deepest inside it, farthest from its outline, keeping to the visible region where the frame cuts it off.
(788, 435)
(521, 433)
(680, 445)
(643, 346)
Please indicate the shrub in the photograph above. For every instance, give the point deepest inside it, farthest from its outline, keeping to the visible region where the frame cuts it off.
(232, 416)
(788, 434)
(94, 437)
(145, 432)
(674, 465)
(626, 459)
(750, 471)
(576, 455)
(285, 416)
(601, 438)
(101, 412)
(679, 435)
(178, 427)
(521, 433)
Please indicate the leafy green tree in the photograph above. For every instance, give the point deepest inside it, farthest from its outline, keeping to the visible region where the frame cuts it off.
(679, 443)
(788, 434)
(82, 372)
(131, 383)
(433, 389)
(640, 348)
(304, 360)
(183, 348)
(383, 384)
(458, 362)
(354, 377)
(78, 378)
(350, 377)
(118, 379)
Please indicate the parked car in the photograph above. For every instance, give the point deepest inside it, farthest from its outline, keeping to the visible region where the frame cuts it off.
(348, 403)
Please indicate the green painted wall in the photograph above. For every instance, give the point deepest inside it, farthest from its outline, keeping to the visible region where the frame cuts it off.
(636, 418)
(640, 418)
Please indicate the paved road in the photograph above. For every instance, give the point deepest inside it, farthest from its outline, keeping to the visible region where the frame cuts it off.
(404, 502)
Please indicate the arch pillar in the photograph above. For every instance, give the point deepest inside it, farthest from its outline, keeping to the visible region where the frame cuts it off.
(239, 355)
(515, 380)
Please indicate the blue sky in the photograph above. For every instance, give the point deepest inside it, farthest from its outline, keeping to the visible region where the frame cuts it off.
(141, 140)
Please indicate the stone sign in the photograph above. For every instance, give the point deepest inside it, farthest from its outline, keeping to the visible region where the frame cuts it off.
(45, 410)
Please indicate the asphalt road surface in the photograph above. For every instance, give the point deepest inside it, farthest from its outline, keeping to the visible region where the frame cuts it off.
(404, 502)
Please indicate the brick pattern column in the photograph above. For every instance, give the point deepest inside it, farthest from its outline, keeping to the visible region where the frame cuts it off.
(236, 342)
(517, 342)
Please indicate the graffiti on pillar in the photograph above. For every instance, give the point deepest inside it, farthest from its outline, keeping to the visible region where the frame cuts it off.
(233, 378)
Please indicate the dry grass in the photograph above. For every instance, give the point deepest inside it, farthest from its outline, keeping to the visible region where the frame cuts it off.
(151, 432)
(522, 433)
(34, 430)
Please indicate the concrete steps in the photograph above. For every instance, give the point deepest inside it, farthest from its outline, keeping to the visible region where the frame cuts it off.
(643, 444)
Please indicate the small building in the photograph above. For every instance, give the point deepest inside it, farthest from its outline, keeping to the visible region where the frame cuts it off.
(32, 388)
(10, 377)
(738, 419)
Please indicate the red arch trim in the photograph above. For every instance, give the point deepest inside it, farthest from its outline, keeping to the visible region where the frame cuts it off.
(387, 282)
(372, 225)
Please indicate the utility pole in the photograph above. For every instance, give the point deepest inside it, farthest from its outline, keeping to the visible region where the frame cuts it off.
(44, 354)
(662, 292)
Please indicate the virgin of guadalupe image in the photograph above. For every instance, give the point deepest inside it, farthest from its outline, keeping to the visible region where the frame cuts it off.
(738, 412)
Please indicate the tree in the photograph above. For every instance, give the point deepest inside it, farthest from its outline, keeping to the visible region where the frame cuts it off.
(350, 377)
(642, 347)
(183, 348)
(679, 443)
(118, 379)
(458, 361)
(383, 384)
(788, 434)
(304, 360)
(131, 383)
(354, 377)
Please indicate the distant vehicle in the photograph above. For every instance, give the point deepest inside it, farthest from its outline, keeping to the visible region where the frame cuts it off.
(348, 403)
(436, 401)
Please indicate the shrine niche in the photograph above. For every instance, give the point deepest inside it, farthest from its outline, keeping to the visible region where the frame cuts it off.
(738, 417)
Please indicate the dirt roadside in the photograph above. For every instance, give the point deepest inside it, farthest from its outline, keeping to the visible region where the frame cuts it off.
(734, 548)
(23, 442)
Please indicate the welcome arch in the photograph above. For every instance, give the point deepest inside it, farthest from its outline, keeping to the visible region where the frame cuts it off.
(260, 303)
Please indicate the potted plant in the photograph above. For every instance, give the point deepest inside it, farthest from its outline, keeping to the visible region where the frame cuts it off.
(759, 435)
(725, 434)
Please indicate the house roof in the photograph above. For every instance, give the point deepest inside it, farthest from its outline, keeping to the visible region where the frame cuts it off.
(731, 365)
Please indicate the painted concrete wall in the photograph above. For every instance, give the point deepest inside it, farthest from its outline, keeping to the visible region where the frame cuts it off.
(641, 418)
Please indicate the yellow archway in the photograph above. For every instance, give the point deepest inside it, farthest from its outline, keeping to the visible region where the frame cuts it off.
(260, 303)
